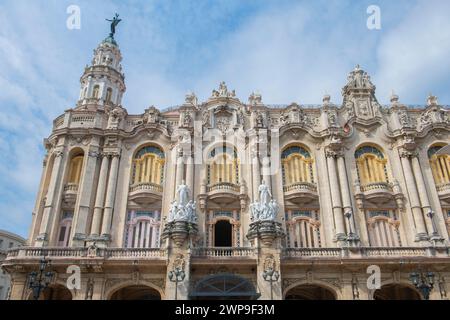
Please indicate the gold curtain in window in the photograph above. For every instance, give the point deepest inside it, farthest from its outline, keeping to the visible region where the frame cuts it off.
(223, 168)
(148, 169)
(76, 164)
(371, 169)
(440, 166)
(297, 169)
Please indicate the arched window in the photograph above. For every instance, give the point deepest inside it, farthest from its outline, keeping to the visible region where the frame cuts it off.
(142, 230)
(148, 166)
(303, 229)
(371, 165)
(108, 95)
(383, 227)
(296, 166)
(76, 165)
(440, 165)
(96, 92)
(223, 166)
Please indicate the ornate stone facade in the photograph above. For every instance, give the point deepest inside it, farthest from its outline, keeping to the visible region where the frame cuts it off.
(231, 191)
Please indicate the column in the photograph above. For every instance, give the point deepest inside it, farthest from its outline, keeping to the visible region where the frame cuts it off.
(85, 192)
(423, 196)
(256, 177)
(110, 195)
(49, 203)
(345, 191)
(190, 174)
(100, 196)
(335, 197)
(180, 171)
(421, 233)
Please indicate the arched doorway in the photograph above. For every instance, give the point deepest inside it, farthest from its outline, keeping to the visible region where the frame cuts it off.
(225, 286)
(54, 292)
(223, 234)
(310, 292)
(396, 292)
(137, 292)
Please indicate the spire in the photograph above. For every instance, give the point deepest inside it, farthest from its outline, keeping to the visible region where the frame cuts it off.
(103, 82)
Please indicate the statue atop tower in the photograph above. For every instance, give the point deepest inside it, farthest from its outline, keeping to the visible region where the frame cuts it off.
(114, 22)
(103, 82)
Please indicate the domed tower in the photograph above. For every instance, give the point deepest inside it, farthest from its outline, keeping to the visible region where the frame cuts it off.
(103, 82)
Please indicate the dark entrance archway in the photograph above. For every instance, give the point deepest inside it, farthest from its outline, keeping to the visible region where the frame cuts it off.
(54, 292)
(225, 286)
(396, 292)
(223, 234)
(136, 293)
(309, 292)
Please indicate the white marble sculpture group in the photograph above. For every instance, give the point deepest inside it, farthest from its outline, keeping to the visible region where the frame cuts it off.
(267, 208)
(183, 209)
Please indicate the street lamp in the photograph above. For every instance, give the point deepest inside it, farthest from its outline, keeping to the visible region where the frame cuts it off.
(176, 275)
(271, 276)
(424, 282)
(38, 281)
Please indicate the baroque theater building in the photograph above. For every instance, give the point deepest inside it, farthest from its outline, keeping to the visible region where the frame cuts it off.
(231, 199)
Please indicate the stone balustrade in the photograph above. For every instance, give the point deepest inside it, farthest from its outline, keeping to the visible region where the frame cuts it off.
(377, 186)
(224, 186)
(366, 252)
(28, 253)
(224, 252)
(300, 186)
(75, 253)
(443, 188)
(146, 186)
(71, 187)
(312, 252)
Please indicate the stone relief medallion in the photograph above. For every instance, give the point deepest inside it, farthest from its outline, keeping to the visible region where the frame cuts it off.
(269, 263)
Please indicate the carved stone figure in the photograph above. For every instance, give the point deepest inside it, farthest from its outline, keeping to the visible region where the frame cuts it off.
(223, 92)
(182, 192)
(183, 209)
(255, 99)
(404, 119)
(187, 119)
(89, 289)
(115, 116)
(266, 208)
(259, 120)
(206, 118)
(191, 99)
(332, 119)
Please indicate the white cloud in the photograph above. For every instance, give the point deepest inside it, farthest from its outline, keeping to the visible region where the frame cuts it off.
(414, 57)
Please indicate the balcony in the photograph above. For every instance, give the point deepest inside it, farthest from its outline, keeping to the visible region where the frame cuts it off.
(146, 192)
(70, 192)
(296, 255)
(444, 191)
(223, 192)
(215, 254)
(70, 254)
(377, 192)
(300, 192)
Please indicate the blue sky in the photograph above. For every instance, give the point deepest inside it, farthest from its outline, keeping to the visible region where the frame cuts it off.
(287, 50)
